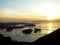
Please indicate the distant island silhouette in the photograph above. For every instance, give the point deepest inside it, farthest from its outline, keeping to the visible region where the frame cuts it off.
(29, 31)
(10, 26)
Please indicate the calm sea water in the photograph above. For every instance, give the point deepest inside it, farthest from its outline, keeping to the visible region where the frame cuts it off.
(17, 35)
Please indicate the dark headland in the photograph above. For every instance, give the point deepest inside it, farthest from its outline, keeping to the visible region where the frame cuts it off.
(50, 39)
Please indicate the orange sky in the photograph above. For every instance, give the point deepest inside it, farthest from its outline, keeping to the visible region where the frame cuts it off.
(18, 10)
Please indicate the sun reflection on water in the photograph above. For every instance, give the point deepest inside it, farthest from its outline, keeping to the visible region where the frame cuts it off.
(50, 28)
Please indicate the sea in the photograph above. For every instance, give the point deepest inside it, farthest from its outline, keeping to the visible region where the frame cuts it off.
(19, 36)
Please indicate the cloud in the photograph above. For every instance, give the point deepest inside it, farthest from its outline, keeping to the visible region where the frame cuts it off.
(12, 12)
(8, 14)
(7, 11)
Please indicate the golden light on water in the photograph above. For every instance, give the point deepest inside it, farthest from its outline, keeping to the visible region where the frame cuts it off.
(50, 27)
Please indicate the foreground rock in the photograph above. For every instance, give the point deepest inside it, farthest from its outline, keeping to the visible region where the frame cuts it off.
(51, 39)
(8, 41)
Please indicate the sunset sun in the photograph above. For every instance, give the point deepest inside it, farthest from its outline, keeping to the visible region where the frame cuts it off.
(50, 12)
(50, 17)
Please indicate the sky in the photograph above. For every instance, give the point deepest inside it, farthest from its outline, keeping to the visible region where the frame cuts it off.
(16, 10)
